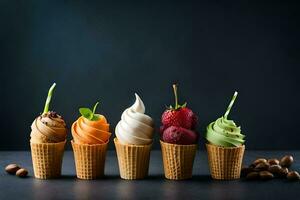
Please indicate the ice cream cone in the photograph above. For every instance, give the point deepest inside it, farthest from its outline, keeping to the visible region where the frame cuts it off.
(133, 160)
(89, 160)
(225, 162)
(178, 160)
(47, 159)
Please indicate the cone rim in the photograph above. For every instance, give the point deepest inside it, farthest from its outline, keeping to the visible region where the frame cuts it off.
(116, 141)
(89, 145)
(50, 143)
(224, 148)
(178, 145)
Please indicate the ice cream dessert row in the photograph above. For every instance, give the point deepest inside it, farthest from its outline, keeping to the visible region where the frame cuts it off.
(135, 127)
(134, 137)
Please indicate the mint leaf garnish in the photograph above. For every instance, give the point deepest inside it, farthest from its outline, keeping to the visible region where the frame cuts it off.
(86, 112)
(89, 114)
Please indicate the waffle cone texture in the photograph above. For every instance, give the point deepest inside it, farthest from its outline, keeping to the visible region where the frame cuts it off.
(133, 160)
(47, 159)
(89, 160)
(178, 160)
(225, 162)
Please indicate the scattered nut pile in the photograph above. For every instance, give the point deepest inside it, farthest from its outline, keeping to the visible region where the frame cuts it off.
(14, 169)
(264, 169)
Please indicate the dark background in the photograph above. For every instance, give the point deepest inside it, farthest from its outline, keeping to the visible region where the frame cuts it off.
(95, 50)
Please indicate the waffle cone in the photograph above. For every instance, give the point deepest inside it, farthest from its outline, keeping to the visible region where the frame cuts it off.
(89, 160)
(225, 162)
(133, 160)
(47, 159)
(178, 160)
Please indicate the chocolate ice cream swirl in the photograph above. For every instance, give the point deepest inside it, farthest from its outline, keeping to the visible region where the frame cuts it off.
(48, 128)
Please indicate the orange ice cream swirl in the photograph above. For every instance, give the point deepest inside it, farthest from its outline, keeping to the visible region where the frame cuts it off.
(85, 131)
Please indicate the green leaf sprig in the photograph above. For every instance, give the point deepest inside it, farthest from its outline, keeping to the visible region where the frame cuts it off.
(48, 100)
(89, 114)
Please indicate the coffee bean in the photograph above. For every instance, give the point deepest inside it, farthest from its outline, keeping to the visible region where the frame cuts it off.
(245, 171)
(265, 175)
(273, 161)
(262, 166)
(12, 168)
(22, 172)
(283, 172)
(275, 169)
(286, 161)
(259, 160)
(252, 176)
(293, 175)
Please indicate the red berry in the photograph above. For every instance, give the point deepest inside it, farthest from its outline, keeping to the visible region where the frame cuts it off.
(182, 117)
(190, 119)
(171, 118)
(179, 115)
(178, 135)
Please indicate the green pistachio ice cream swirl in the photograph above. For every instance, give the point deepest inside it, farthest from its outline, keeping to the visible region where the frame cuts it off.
(224, 132)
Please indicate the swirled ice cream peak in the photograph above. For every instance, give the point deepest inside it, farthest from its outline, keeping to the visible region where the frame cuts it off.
(138, 105)
(224, 132)
(135, 127)
(48, 128)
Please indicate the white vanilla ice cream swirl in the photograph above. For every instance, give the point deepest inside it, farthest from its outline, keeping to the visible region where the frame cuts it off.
(135, 127)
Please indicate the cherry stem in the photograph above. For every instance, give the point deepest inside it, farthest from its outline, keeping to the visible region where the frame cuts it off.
(175, 94)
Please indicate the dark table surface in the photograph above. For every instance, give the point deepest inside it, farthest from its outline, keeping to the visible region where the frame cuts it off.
(201, 186)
